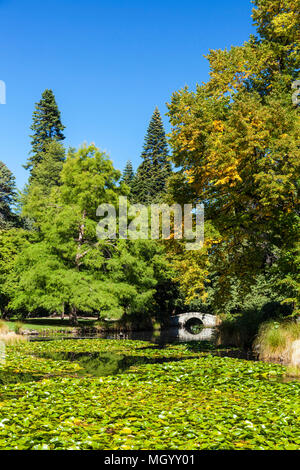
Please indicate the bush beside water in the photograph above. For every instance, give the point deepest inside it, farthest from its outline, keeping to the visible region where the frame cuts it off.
(275, 341)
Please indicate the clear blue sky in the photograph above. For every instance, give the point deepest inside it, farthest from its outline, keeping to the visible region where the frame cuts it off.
(109, 64)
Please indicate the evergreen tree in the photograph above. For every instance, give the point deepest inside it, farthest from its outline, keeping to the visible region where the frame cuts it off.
(46, 177)
(128, 174)
(46, 127)
(150, 181)
(7, 197)
(47, 173)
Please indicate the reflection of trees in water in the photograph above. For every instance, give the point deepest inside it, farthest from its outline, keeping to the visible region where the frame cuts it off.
(99, 365)
(182, 335)
(94, 364)
(173, 334)
(12, 377)
(194, 326)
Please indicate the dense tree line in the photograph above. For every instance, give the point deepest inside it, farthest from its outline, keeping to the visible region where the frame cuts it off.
(55, 263)
(235, 143)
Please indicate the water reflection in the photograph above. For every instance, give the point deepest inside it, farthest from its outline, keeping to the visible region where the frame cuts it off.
(12, 377)
(103, 364)
(165, 336)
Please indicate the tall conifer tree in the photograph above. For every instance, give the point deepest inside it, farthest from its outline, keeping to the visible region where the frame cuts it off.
(150, 181)
(47, 172)
(46, 127)
(128, 174)
(7, 197)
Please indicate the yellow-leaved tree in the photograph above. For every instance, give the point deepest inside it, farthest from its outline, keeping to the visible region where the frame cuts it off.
(236, 140)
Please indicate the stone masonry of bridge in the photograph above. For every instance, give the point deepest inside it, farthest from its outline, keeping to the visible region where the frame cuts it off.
(180, 320)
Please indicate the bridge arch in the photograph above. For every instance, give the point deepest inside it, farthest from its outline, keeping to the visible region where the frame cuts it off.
(183, 319)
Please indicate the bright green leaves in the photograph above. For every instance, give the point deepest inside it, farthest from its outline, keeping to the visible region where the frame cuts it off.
(195, 401)
(8, 196)
(66, 269)
(89, 179)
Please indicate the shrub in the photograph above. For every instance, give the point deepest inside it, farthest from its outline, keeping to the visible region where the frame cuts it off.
(18, 327)
(9, 337)
(3, 327)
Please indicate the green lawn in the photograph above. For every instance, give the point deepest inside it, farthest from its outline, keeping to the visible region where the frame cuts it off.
(44, 324)
(190, 399)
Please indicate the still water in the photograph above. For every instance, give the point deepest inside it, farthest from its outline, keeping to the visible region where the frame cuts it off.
(166, 336)
(104, 364)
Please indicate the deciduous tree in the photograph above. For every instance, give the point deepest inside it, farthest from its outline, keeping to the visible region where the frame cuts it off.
(237, 141)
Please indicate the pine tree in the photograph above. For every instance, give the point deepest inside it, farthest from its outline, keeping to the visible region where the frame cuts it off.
(7, 197)
(150, 181)
(46, 127)
(128, 174)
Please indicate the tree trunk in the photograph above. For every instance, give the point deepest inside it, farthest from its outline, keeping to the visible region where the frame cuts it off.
(63, 311)
(80, 240)
(73, 316)
(5, 314)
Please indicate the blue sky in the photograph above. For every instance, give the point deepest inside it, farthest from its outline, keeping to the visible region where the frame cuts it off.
(109, 64)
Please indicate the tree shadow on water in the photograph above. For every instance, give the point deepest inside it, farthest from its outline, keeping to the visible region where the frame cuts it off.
(99, 365)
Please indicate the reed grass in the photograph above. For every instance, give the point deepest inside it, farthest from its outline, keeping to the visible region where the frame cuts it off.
(275, 340)
(9, 337)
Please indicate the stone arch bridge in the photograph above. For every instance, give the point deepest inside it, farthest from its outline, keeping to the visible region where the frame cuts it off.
(181, 320)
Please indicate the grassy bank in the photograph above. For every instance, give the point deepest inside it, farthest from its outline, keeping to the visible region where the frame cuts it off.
(48, 326)
(9, 337)
(180, 397)
(52, 324)
(275, 341)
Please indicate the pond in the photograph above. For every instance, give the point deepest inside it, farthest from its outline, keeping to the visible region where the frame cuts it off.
(201, 339)
(132, 394)
(101, 365)
(164, 336)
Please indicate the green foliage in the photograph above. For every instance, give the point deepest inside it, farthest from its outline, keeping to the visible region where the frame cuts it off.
(149, 183)
(244, 308)
(88, 179)
(47, 176)
(275, 339)
(46, 127)
(236, 140)
(18, 326)
(7, 197)
(12, 243)
(47, 172)
(128, 174)
(66, 268)
(143, 398)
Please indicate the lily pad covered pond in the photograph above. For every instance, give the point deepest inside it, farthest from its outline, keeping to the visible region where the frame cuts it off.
(110, 394)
